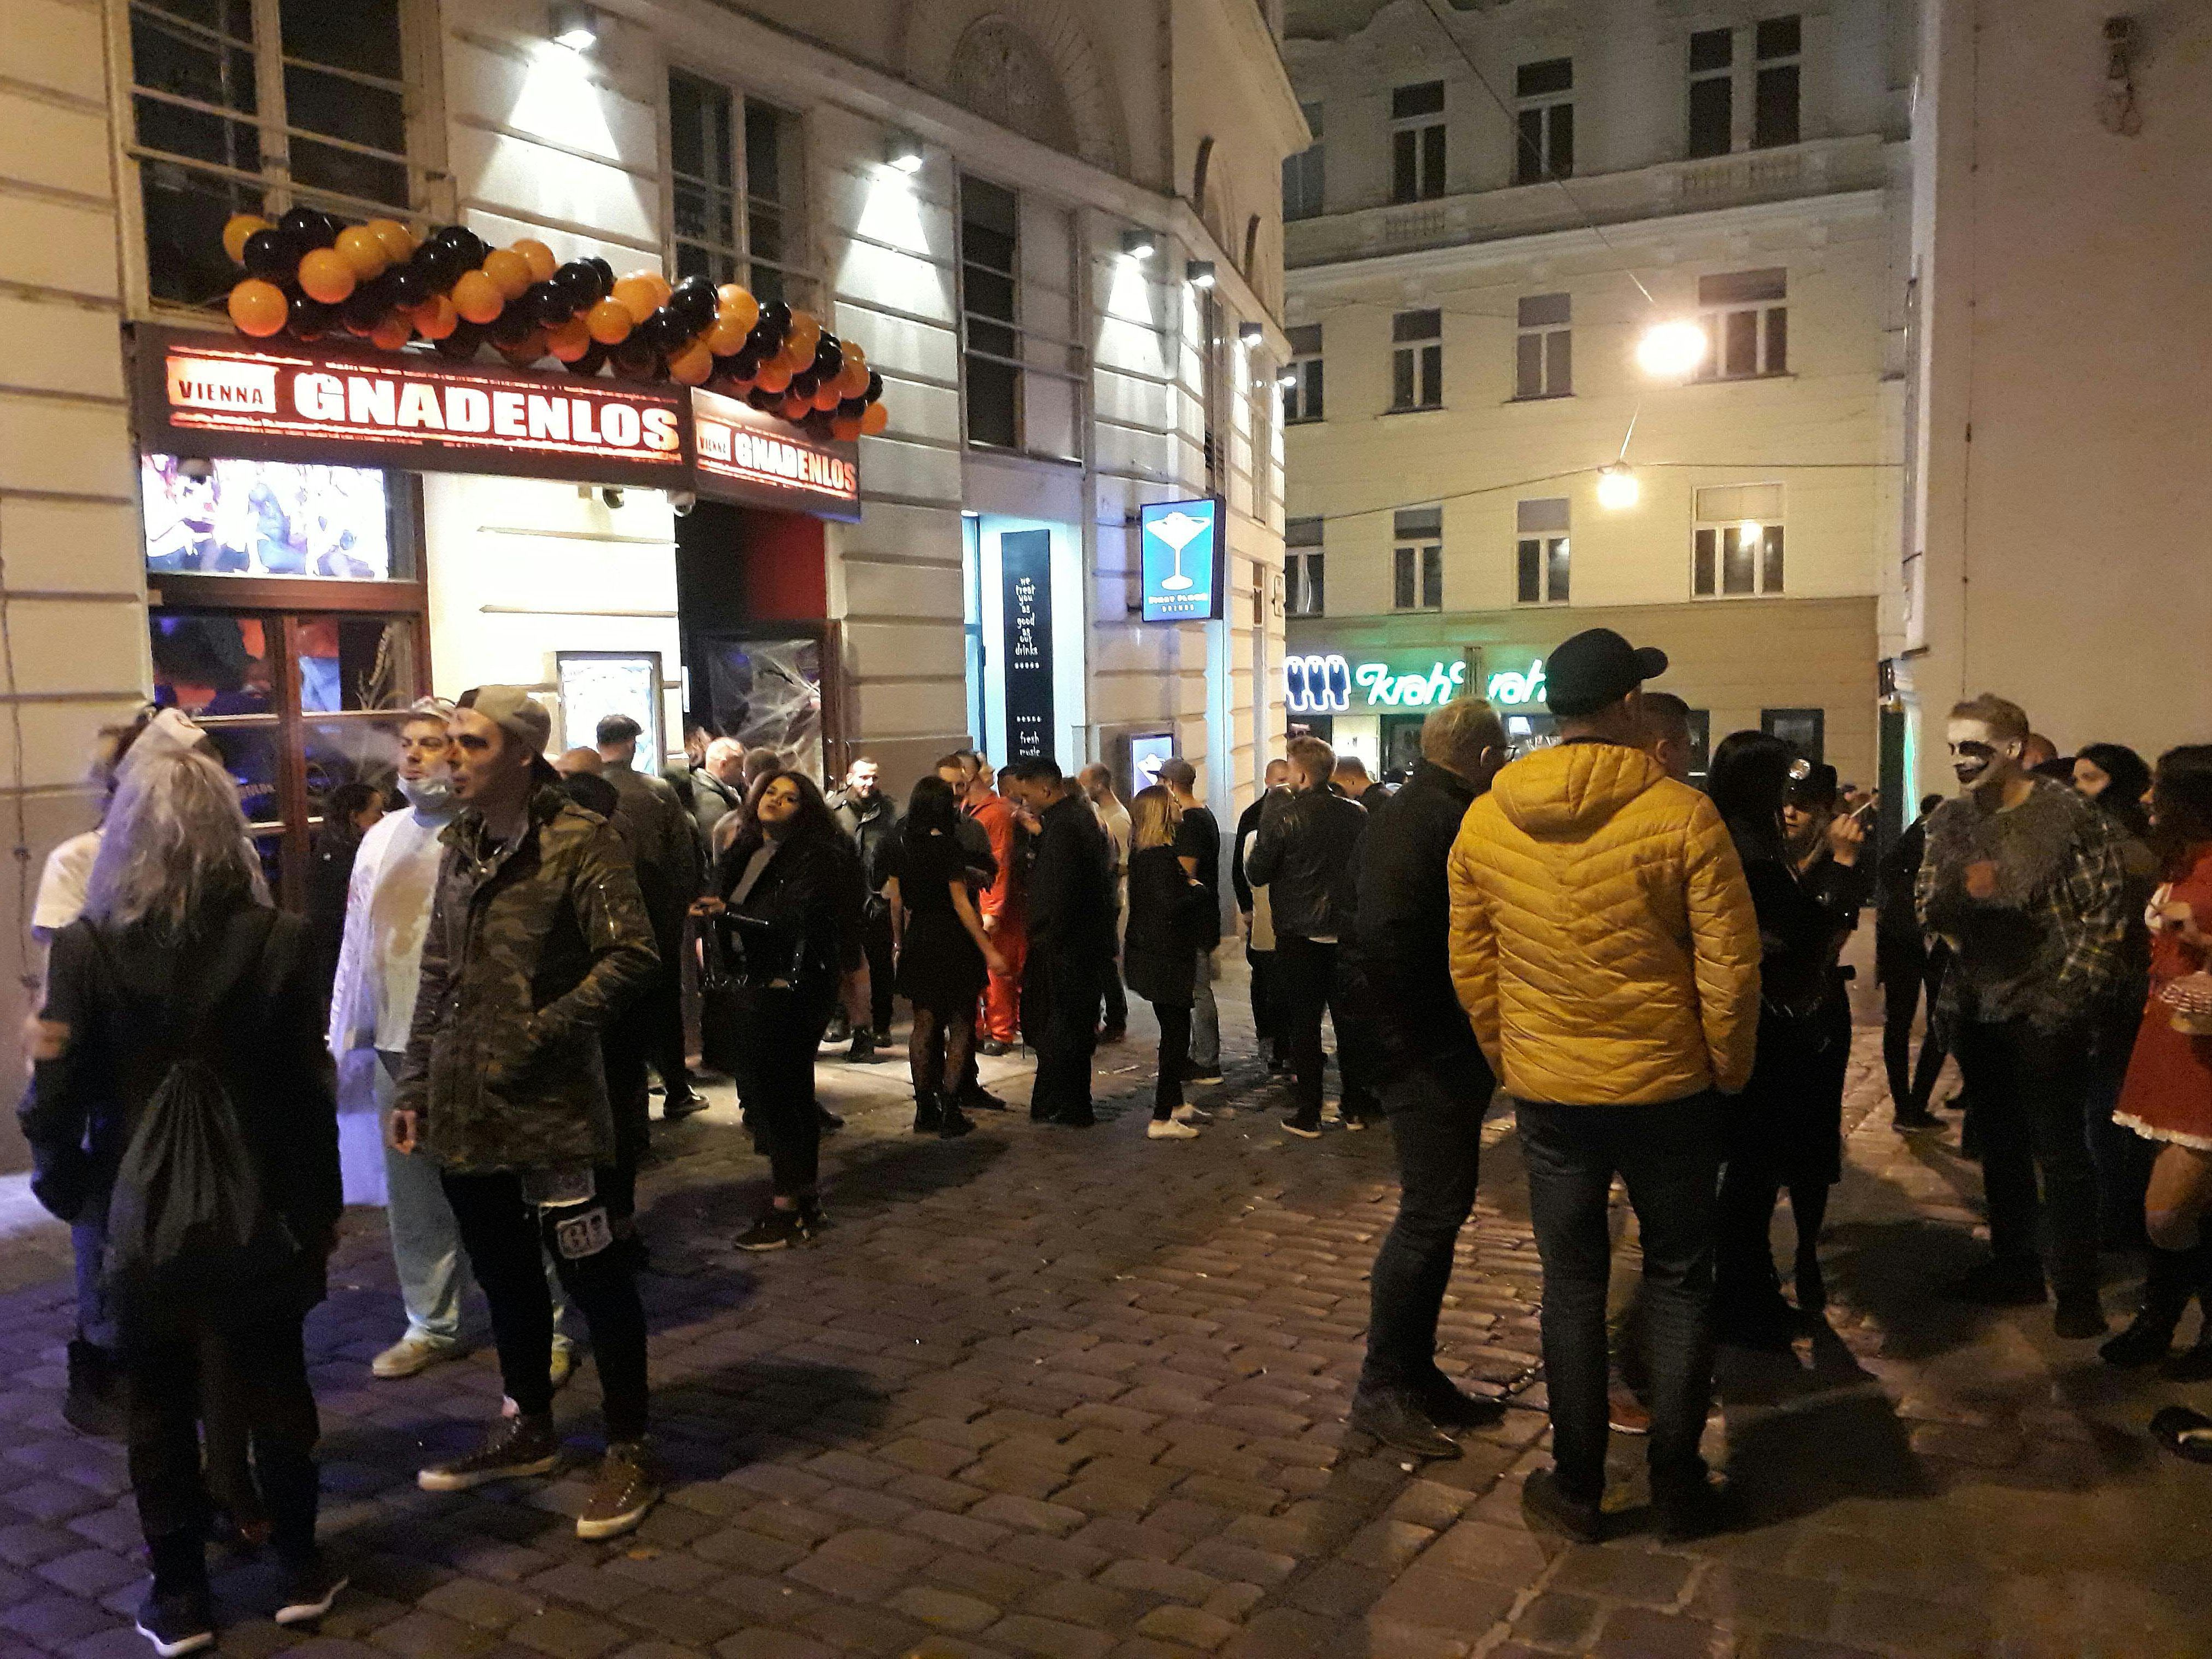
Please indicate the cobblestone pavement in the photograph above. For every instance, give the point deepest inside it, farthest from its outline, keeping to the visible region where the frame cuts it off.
(1076, 1394)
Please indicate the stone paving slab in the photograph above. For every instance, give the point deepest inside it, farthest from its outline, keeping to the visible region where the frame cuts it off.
(1079, 1395)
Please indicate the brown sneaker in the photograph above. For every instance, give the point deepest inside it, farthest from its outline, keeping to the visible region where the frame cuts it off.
(517, 1446)
(628, 1484)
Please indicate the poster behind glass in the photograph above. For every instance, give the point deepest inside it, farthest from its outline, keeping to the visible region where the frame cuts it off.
(767, 694)
(231, 518)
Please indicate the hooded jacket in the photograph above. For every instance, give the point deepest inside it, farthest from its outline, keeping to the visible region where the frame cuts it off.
(1603, 941)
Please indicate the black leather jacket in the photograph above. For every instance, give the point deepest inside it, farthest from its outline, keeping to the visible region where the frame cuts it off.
(1405, 914)
(1306, 854)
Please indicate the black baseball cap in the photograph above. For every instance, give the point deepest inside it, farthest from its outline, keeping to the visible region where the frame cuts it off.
(1596, 667)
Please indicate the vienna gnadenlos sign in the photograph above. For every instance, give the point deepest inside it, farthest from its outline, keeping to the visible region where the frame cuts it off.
(1325, 684)
(755, 460)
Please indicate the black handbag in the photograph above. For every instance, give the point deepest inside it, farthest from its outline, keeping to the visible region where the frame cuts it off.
(744, 956)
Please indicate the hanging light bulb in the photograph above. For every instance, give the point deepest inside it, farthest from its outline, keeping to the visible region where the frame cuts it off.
(1617, 487)
(1671, 351)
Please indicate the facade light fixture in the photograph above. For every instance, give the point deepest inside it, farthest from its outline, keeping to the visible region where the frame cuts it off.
(902, 152)
(1617, 488)
(1251, 334)
(1751, 532)
(1288, 380)
(576, 26)
(1137, 245)
(1671, 351)
(1199, 273)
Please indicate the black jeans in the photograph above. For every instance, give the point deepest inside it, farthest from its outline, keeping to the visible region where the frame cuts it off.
(775, 1041)
(263, 1368)
(662, 1008)
(1312, 977)
(1266, 1005)
(1115, 996)
(1906, 967)
(1059, 1003)
(1174, 1055)
(507, 1240)
(875, 941)
(2028, 1087)
(1669, 1158)
(1436, 1120)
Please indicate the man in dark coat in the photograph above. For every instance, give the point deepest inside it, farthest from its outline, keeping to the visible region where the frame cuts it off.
(870, 818)
(1071, 936)
(653, 822)
(1437, 1083)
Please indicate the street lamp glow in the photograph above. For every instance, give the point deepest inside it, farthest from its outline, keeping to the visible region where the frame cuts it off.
(1617, 488)
(1751, 532)
(1671, 351)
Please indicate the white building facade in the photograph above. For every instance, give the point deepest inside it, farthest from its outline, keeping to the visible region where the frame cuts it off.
(1055, 232)
(1501, 204)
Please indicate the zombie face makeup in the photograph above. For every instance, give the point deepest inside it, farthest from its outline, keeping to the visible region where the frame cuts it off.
(1976, 754)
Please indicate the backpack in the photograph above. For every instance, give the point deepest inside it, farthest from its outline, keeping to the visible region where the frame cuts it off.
(190, 1230)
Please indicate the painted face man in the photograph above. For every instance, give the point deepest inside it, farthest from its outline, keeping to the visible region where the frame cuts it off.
(1982, 758)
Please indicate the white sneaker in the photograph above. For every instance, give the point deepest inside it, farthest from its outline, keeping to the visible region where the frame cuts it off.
(1170, 1130)
(562, 1364)
(413, 1353)
(1192, 1115)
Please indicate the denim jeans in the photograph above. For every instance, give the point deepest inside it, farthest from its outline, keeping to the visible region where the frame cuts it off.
(1669, 1158)
(1205, 1017)
(95, 1318)
(2028, 1088)
(1436, 1119)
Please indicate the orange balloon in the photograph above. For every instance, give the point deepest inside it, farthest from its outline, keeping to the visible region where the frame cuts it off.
(845, 428)
(805, 335)
(773, 377)
(793, 360)
(538, 256)
(691, 365)
(510, 270)
(568, 341)
(797, 409)
(359, 247)
(435, 318)
(874, 418)
(258, 308)
(391, 333)
(852, 380)
(825, 396)
(661, 288)
(733, 301)
(724, 336)
(610, 322)
(526, 350)
(394, 238)
(478, 297)
(634, 294)
(236, 229)
(325, 275)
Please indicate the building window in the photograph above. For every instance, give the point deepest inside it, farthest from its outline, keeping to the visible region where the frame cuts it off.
(1736, 548)
(1417, 142)
(1303, 592)
(1804, 729)
(1541, 554)
(1417, 360)
(254, 107)
(733, 165)
(1303, 385)
(1774, 97)
(1746, 323)
(990, 220)
(1418, 559)
(1545, 113)
(1701, 745)
(1712, 92)
(1544, 349)
(1305, 174)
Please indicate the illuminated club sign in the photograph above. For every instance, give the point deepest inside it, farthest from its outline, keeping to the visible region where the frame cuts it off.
(755, 460)
(1327, 682)
(1182, 561)
(220, 395)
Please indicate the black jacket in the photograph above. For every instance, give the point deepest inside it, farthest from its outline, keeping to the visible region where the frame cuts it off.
(1072, 894)
(1899, 872)
(1248, 825)
(1404, 925)
(871, 828)
(1307, 856)
(125, 999)
(810, 897)
(1803, 920)
(1166, 928)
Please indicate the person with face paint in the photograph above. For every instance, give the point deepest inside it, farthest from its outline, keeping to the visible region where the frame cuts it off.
(2024, 880)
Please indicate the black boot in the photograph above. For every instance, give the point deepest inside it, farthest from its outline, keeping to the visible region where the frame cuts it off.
(928, 1113)
(178, 1615)
(953, 1122)
(96, 1402)
(2167, 1287)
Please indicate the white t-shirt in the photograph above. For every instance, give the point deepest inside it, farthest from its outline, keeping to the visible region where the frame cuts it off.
(61, 884)
(395, 877)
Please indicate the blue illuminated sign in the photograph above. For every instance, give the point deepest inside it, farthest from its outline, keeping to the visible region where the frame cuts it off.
(1182, 563)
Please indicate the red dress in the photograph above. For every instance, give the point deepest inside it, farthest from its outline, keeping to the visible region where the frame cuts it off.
(2168, 1093)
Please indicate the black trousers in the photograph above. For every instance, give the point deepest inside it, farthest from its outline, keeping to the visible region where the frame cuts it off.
(261, 1368)
(875, 941)
(507, 1239)
(1114, 995)
(1313, 978)
(662, 1008)
(1436, 1121)
(2028, 1087)
(1267, 1003)
(776, 1038)
(1906, 967)
(1059, 1003)
(1669, 1158)
(1175, 1056)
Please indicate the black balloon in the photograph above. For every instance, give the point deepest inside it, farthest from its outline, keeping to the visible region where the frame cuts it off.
(307, 228)
(665, 330)
(579, 283)
(510, 328)
(760, 398)
(310, 320)
(875, 387)
(593, 360)
(550, 303)
(694, 300)
(606, 274)
(775, 323)
(852, 407)
(444, 262)
(744, 362)
(463, 342)
(634, 359)
(365, 309)
(271, 255)
(829, 357)
(803, 386)
(408, 285)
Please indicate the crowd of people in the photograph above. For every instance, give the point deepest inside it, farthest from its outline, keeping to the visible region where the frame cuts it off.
(1649, 971)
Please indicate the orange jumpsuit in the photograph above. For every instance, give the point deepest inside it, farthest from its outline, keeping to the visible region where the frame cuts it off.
(1001, 907)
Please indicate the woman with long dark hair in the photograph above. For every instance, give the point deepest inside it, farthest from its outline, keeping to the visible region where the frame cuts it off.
(1786, 1127)
(2167, 1097)
(1168, 907)
(182, 1090)
(784, 918)
(943, 954)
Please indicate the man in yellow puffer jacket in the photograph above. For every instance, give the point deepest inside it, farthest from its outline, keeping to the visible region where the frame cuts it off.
(1604, 946)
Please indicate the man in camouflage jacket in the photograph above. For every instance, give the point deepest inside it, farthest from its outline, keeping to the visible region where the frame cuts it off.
(538, 939)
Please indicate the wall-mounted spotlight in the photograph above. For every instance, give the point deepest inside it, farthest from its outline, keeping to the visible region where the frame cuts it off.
(902, 152)
(1251, 334)
(1288, 380)
(1199, 273)
(576, 26)
(1137, 245)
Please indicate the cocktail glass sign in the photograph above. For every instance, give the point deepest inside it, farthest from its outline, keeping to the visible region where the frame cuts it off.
(1181, 560)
